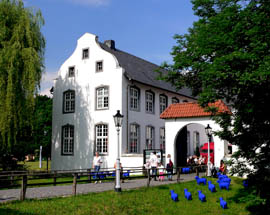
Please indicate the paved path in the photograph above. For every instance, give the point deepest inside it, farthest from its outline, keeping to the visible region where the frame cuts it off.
(66, 190)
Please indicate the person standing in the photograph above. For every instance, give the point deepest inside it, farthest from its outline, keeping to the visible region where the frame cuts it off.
(169, 167)
(154, 165)
(96, 165)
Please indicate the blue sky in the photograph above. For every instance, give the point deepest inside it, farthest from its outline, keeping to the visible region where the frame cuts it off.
(144, 28)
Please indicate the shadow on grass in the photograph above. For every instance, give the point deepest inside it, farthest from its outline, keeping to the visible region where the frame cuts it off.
(4, 211)
(163, 187)
(255, 205)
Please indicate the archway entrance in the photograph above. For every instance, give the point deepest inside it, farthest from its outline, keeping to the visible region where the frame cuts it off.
(188, 141)
(181, 147)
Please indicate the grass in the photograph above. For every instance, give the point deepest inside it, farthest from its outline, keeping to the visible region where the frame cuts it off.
(34, 165)
(153, 200)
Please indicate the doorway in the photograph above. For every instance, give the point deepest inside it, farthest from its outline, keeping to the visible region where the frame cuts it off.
(181, 147)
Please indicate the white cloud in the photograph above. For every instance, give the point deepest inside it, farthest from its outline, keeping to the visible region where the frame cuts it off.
(46, 92)
(91, 2)
(47, 82)
(49, 76)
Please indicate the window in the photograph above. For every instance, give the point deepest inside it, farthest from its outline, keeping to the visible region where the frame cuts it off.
(150, 137)
(134, 99)
(69, 101)
(162, 103)
(196, 139)
(175, 100)
(185, 101)
(149, 102)
(102, 98)
(85, 53)
(188, 143)
(71, 71)
(162, 139)
(134, 138)
(99, 66)
(102, 138)
(67, 140)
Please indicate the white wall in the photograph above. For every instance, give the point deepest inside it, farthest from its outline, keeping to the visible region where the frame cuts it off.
(173, 126)
(143, 119)
(86, 116)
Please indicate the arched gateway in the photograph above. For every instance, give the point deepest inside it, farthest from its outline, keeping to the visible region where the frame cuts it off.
(185, 131)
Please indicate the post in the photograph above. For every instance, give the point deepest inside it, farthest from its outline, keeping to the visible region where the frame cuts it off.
(54, 179)
(208, 131)
(178, 170)
(74, 186)
(118, 118)
(23, 187)
(40, 157)
(208, 162)
(117, 184)
(197, 171)
(148, 177)
(89, 175)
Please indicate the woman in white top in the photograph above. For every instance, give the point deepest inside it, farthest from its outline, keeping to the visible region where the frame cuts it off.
(96, 165)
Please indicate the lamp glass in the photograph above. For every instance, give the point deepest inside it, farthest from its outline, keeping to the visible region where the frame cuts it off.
(118, 119)
(208, 130)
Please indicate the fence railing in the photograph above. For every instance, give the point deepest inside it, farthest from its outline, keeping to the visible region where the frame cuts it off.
(24, 179)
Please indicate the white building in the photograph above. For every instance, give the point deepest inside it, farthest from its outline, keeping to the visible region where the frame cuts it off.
(92, 84)
(95, 82)
(181, 120)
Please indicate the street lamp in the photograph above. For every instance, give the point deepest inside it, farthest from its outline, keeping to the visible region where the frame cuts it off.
(118, 119)
(208, 131)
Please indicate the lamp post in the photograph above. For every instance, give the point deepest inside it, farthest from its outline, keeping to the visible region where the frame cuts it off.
(118, 119)
(208, 131)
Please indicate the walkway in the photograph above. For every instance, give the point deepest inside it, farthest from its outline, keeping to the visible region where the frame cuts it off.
(66, 190)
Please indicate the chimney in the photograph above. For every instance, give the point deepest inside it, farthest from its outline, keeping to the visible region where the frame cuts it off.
(110, 44)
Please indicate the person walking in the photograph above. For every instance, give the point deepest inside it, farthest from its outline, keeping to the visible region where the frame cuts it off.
(96, 165)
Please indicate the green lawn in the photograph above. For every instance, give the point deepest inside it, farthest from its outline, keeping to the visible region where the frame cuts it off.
(34, 165)
(154, 200)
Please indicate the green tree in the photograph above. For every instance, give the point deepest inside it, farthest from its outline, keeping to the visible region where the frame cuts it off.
(43, 126)
(226, 55)
(21, 65)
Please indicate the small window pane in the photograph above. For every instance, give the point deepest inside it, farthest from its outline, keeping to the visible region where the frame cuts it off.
(69, 102)
(85, 53)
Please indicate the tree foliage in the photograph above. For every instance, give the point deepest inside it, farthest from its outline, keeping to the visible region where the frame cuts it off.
(21, 65)
(226, 55)
(43, 125)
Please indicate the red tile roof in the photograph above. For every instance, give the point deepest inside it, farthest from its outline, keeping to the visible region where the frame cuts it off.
(192, 109)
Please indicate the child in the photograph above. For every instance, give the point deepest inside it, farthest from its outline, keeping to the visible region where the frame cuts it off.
(161, 172)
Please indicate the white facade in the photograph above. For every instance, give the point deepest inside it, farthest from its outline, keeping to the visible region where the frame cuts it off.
(80, 77)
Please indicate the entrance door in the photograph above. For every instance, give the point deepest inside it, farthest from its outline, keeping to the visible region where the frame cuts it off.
(181, 147)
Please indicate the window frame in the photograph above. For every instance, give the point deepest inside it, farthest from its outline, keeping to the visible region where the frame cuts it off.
(133, 98)
(70, 101)
(132, 138)
(196, 139)
(162, 140)
(103, 96)
(97, 62)
(161, 105)
(83, 53)
(188, 143)
(148, 102)
(102, 137)
(69, 71)
(150, 139)
(67, 126)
